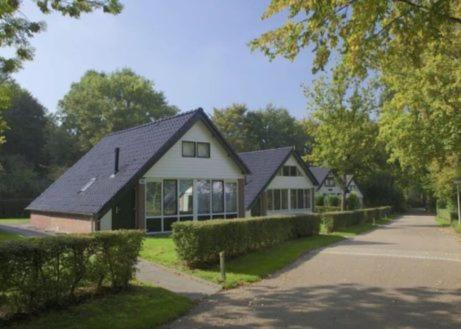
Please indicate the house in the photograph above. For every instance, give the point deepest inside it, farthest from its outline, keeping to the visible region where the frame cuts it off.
(328, 184)
(280, 182)
(147, 177)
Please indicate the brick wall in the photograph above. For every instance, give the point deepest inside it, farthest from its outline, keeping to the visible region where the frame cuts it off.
(61, 223)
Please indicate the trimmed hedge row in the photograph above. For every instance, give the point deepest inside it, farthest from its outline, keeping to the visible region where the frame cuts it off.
(333, 221)
(199, 243)
(38, 272)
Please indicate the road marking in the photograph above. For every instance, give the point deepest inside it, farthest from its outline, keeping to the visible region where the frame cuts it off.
(372, 254)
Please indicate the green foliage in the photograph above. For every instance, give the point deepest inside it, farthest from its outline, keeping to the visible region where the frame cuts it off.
(319, 200)
(102, 103)
(16, 29)
(353, 202)
(327, 209)
(270, 127)
(38, 272)
(335, 221)
(332, 201)
(199, 243)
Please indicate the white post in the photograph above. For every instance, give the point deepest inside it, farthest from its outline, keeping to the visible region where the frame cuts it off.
(459, 203)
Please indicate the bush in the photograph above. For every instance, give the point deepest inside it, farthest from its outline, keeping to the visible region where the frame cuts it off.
(327, 209)
(353, 202)
(332, 201)
(199, 243)
(38, 272)
(319, 200)
(334, 221)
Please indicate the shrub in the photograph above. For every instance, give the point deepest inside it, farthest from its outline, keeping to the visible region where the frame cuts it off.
(38, 272)
(199, 243)
(353, 202)
(334, 221)
(332, 201)
(320, 200)
(327, 209)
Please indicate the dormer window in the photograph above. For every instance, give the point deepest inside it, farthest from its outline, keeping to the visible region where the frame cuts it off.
(195, 149)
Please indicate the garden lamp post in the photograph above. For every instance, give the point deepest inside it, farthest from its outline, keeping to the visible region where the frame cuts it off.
(458, 183)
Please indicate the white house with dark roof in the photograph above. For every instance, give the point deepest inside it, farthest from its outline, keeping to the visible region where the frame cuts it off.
(328, 183)
(279, 183)
(147, 177)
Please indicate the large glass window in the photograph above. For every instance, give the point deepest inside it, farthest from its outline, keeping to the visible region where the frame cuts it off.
(153, 199)
(276, 199)
(270, 200)
(203, 150)
(284, 204)
(186, 196)
(203, 192)
(300, 199)
(307, 198)
(170, 197)
(230, 190)
(188, 149)
(218, 196)
(293, 199)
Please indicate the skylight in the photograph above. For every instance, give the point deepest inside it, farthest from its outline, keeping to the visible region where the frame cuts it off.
(87, 185)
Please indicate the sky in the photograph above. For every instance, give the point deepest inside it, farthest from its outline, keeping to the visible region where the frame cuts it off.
(195, 52)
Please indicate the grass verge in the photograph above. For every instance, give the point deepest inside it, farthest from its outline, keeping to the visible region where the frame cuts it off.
(141, 307)
(445, 222)
(14, 220)
(5, 236)
(253, 266)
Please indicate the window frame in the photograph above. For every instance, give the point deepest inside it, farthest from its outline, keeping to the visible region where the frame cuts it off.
(197, 152)
(194, 148)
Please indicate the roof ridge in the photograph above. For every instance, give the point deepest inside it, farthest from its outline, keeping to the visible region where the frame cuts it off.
(154, 122)
(271, 149)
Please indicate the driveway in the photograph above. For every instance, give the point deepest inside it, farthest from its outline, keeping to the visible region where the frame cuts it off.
(404, 275)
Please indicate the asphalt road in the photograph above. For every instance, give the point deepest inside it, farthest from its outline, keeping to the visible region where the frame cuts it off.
(404, 275)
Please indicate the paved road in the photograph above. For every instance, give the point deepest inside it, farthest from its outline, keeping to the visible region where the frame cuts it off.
(404, 275)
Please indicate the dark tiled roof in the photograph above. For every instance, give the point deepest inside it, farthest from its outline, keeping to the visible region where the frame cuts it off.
(263, 166)
(320, 173)
(140, 147)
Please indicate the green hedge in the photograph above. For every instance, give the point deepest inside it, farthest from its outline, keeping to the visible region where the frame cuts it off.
(327, 209)
(334, 221)
(199, 243)
(38, 272)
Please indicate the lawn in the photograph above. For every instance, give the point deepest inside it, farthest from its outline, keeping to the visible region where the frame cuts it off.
(142, 307)
(251, 267)
(14, 220)
(5, 236)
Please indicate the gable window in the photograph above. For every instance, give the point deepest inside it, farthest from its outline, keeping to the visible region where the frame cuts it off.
(203, 150)
(188, 149)
(290, 171)
(329, 181)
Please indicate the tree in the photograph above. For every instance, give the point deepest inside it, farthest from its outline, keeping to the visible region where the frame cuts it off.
(270, 127)
(26, 120)
(274, 127)
(16, 29)
(344, 135)
(365, 34)
(101, 103)
(232, 122)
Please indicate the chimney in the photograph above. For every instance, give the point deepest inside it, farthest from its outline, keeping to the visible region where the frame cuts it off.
(116, 159)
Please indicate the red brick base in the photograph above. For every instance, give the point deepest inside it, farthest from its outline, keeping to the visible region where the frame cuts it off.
(60, 223)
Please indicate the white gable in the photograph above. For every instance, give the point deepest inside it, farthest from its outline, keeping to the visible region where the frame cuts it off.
(220, 165)
(285, 182)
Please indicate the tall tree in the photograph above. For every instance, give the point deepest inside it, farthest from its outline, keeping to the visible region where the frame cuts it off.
(26, 120)
(232, 122)
(270, 127)
(344, 135)
(101, 103)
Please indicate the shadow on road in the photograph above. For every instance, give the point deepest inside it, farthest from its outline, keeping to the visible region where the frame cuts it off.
(338, 306)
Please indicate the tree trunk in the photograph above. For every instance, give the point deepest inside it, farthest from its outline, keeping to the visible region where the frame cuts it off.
(344, 187)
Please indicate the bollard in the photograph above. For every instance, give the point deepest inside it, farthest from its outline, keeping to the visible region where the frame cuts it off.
(222, 266)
